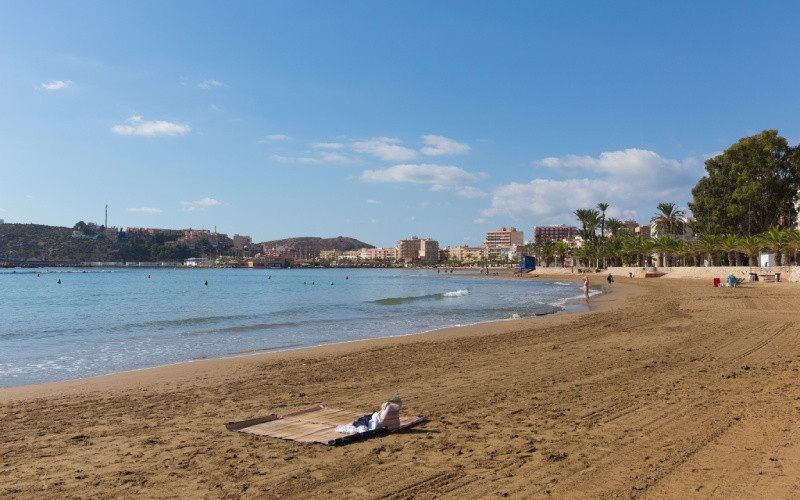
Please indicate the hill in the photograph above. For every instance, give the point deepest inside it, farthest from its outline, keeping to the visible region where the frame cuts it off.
(341, 243)
(52, 243)
(39, 242)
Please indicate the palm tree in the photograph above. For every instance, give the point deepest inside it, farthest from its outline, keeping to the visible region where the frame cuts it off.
(777, 240)
(548, 248)
(602, 207)
(561, 250)
(589, 219)
(612, 249)
(582, 214)
(730, 244)
(614, 226)
(695, 248)
(794, 239)
(584, 254)
(711, 244)
(667, 247)
(669, 219)
(751, 246)
(639, 248)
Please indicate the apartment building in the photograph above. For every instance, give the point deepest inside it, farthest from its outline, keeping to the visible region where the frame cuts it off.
(378, 253)
(556, 232)
(416, 249)
(468, 254)
(499, 243)
(429, 250)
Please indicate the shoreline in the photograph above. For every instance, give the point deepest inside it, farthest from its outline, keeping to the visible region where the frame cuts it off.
(665, 389)
(560, 306)
(106, 381)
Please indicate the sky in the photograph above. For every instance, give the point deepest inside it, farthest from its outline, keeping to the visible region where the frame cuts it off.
(379, 120)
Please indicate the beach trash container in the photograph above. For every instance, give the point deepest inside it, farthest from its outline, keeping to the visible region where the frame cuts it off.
(716, 282)
(752, 277)
(777, 276)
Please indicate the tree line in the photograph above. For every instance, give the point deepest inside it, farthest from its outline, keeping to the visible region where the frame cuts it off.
(746, 203)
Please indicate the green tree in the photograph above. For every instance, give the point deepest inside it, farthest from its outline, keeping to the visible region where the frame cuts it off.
(547, 251)
(750, 186)
(669, 220)
(639, 248)
(711, 244)
(731, 244)
(561, 250)
(695, 250)
(602, 207)
(779, 241)
(612, 249)
(589, 219)
(667, 247)
(750, 246)
(615, 226)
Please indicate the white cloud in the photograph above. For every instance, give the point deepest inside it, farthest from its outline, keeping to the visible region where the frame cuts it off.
(436, 175)
(207, 84)
(331, 157)
(328, 145)
(324, 157)
(637, 166)
(295, 159)
(471, 192)
(438, 145)
(628, 180)
(479, 220)
(57, 85)
(373, 202)
(275, 138)
(137, 126)
(145, 210)
(385, 148)
(199, 205)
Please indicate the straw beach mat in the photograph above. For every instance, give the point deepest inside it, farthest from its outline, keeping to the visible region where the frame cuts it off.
(316, 424)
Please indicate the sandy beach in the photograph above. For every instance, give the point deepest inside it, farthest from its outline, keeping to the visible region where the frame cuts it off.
(664, 389)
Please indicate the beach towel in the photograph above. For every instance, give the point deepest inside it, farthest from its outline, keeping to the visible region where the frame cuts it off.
(316, 424)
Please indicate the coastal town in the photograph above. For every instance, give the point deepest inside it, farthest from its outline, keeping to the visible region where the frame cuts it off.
(502, 247)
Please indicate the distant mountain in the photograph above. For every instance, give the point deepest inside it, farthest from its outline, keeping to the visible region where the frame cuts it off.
(341, 243)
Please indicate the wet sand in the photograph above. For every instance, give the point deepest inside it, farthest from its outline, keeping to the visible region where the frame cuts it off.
(664, 389)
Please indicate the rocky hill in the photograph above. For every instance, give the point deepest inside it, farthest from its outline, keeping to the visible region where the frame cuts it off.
(341, 243)
(39, 242)
(52, 243)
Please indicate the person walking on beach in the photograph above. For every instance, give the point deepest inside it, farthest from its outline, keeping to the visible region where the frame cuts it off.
(586, 288)
(610, 279)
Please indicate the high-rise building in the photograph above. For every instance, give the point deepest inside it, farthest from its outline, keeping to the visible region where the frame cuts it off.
(429, 250)
(501, 243)
(556, 232)
(504, 238)
(408, 249)
(417, 249)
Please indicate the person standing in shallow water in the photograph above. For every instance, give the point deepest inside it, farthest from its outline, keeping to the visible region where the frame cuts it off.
(586, 288)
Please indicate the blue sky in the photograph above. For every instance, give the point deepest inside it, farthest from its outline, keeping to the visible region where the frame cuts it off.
(379, 120)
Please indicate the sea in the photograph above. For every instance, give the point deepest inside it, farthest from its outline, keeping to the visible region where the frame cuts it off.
(69, 323)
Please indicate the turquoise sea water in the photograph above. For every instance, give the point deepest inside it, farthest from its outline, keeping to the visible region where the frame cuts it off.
(99, 321)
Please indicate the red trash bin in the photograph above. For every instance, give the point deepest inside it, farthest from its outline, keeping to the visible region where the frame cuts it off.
(716, 282)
